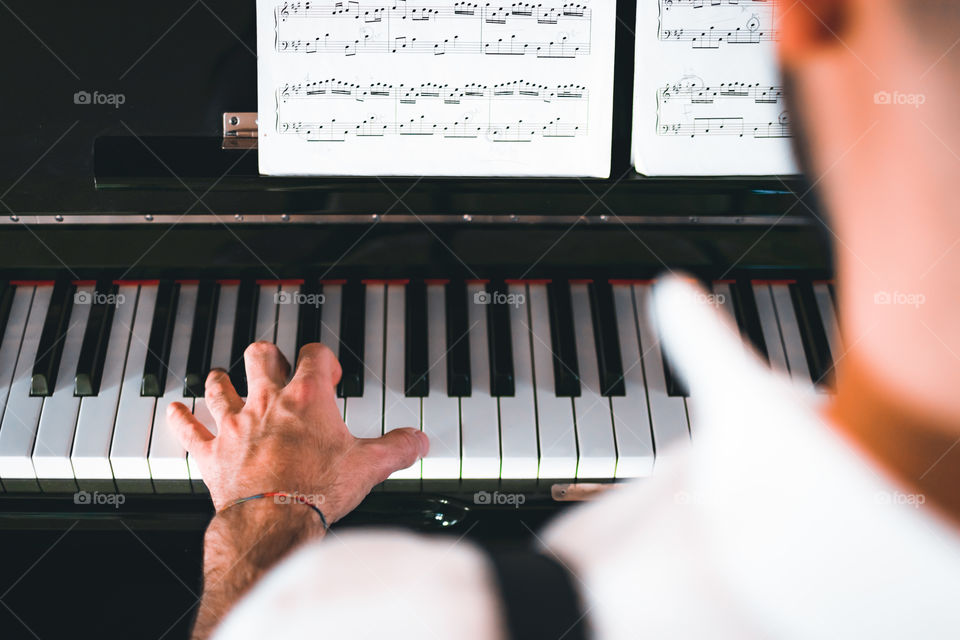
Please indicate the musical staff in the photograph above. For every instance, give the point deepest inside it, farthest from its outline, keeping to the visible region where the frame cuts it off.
(352, 28)
(708, 24)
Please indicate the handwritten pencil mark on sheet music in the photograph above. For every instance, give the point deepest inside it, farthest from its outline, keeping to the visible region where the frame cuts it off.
(349, 28)
(708, 24)
(518, 111)
(688, 108)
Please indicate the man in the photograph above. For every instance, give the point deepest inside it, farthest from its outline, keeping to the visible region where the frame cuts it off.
(787, 518)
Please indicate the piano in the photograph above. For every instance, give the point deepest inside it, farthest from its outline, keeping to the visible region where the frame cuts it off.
(505, 317)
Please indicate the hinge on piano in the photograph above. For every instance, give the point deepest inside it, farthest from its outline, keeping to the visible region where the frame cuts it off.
(239, 130)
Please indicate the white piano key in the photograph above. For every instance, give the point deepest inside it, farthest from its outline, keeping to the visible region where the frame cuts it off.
(518, 413)
(555, 429)
(167, 458)
(131, 432)
(770, 327)
(58, 417)
(330, 323)
(441, 412)
(219, 358)
(267, 307)
(668, 414)
(598, 454)
(480, 432)
(91, 442)
(18, 429)
(288, 314)
(398, 409)
(631, 415)
(364, 415)
(821, 292)
(790, 332)
(12, 337)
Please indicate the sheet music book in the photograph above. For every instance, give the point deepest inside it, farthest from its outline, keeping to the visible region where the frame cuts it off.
(440, 88)
(708, 99)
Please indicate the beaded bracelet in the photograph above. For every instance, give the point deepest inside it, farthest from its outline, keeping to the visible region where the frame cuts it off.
(292, 497)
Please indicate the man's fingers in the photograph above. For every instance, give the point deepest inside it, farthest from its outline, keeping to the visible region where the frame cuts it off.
(220, 396)
(267, 371)
(191, 433)
(395, 450)
(316, 365)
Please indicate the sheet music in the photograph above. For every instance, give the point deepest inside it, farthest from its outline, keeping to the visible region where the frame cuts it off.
(708, 99)
(443, 88)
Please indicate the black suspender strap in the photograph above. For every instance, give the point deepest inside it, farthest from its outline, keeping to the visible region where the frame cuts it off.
(538, 597)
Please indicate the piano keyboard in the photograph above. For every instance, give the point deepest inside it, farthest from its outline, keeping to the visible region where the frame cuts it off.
(532, 380)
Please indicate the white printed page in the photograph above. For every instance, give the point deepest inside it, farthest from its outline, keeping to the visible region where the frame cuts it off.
(447, 88)
(708, 99)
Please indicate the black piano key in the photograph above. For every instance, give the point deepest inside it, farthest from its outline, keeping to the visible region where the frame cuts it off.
(352, 333)
(812, 332)
(201, 339)
(96, 336)
(674, 386)
(244, 332)
(309, 313)
(748, 319)
(566, 369)
(7, 291)
(416, 361)
(499, 340)
(607, 339)
(52, 337)
(459, 383)
(161, 335)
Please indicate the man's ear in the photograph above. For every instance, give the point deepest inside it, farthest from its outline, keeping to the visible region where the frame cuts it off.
(806, 27)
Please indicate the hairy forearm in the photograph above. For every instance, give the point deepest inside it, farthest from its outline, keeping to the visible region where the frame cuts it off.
(240, 545)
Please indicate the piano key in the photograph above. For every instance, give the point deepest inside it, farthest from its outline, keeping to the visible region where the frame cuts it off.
(480, 426)
(244, 332)
(594, 420)
(58, 416)
(267, 307)
(18, 428)
(288, 314)
(95, 423)
(308, 322)
(167, 459)
(330, 322)
(441, 411)
(564, 345)
(54, 331)
(161, 333)
(631, 415)
(675, 387)
(767, 315)
(518, 412)
(364, 413)
(828, 317)
(352, 338)
(790, 333)
(605, 335)
(93, 352)
(812, 332)
(220, 356)
(201, 339)
(500, 339)
(668, 414)
(459, 383)
(555, 428)
(399, 410)
(131, 432)
(747, 315)
(12, 338)
(7, 293)
(724, 299)
(416, 360)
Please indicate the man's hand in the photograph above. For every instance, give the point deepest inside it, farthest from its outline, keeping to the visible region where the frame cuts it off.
(289, 436)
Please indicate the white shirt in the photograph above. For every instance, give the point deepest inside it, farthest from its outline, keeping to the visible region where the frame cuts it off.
(771, 525)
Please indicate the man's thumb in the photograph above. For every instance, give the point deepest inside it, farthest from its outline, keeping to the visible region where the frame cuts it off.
(396, 449)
